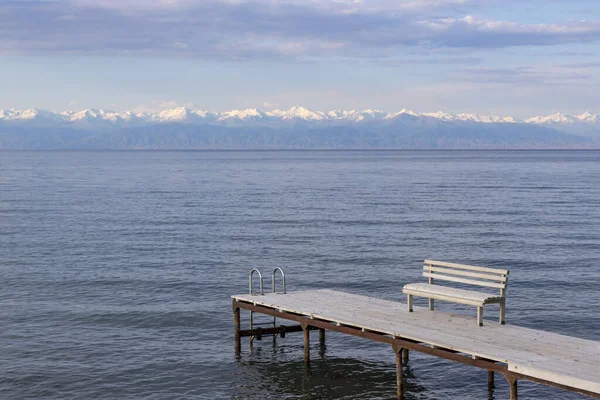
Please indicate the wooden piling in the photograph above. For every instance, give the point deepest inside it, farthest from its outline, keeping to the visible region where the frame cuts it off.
(491, 384)
(512, 382)
(236, 327)
(306, 346)
(399, 375)
(321, 336)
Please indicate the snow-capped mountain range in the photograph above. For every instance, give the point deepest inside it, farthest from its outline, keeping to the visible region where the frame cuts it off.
(103, 118)
(296, 128)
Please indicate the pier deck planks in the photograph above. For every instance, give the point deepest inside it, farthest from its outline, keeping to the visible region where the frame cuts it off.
(556, 358)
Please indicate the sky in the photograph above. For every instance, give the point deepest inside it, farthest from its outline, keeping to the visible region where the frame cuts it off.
(503, 57)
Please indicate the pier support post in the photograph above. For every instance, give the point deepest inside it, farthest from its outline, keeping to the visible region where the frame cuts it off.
(321, 337)
(399, 375)
(512, 382)
(491, 384)
(405, 356)
(236, 327)
(306, 345)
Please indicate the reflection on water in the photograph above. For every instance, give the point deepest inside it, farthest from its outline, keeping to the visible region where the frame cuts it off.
(275, 371)
(327, 377)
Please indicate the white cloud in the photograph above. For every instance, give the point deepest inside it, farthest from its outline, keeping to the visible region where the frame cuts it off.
(138, 5)
(298, 30)
(493, 26)
(335, 6)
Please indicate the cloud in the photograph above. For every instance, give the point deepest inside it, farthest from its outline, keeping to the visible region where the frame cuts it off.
(285, 30)
(475, 32)
(581, 65)
(522, 76)
(575, 54)
(433, 61)
(334, 6)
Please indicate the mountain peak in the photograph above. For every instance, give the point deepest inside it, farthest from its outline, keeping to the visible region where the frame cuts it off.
(440, 115)
(243, 115)
(588, 117)
(104, 118)
(558, 117)
(174, 114)
(402, 113)
(300, 113)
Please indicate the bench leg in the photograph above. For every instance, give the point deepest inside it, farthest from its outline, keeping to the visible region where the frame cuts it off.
(431, 305)
(410, 302)
(480, 316)
(502, 313)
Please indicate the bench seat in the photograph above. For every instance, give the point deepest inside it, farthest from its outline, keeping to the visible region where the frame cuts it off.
(463, 274)
(454, 295)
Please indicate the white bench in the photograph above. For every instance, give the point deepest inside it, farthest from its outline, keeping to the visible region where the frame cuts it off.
(488, 277)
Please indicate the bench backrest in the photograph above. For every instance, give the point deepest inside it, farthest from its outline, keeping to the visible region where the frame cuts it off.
(468, 274)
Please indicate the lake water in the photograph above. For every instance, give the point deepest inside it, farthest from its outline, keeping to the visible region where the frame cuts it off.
(117, 267)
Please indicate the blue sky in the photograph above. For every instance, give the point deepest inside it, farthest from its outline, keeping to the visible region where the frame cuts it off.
(518, 58)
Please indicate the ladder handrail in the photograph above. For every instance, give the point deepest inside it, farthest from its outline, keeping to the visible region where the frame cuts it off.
(260, 280)
(282, 279)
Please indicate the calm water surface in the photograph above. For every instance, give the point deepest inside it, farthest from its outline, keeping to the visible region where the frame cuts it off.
(117, 267)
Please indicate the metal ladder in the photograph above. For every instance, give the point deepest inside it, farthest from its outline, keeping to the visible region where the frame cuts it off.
(262, 292)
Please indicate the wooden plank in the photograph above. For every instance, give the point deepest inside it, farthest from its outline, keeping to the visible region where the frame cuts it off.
(391, 327)
(493, 341)
(468, 267)
(590, 383)
(557, 368)
(426, 288)
(359, 319)
(370, 321)
(499, 278)
(398, 309)
(512, 334)
(425, 330)
(425, 349)
(394, 308)
(448, 299)
(456, 332)
(463, 280)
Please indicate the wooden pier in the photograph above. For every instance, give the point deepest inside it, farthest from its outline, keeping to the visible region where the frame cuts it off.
(517, 353)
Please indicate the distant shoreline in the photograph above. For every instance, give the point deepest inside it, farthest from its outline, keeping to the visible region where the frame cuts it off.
(259, 150)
